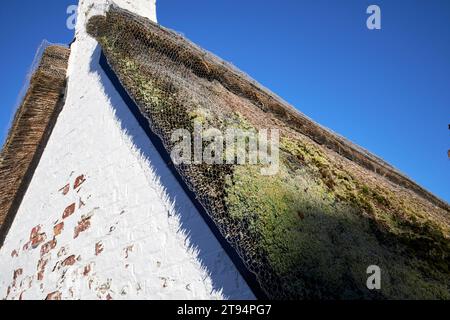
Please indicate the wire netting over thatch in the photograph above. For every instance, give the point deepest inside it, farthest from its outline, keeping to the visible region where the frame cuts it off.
(333, 209)
(30, 129)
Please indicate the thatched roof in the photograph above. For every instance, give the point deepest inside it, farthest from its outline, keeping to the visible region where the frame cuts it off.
(31, 127)
(311, 230)
(333, 209)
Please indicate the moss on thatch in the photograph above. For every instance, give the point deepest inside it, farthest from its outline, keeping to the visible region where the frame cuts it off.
(332, 210)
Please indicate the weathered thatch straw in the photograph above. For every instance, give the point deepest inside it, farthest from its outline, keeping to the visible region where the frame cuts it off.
(30, 130)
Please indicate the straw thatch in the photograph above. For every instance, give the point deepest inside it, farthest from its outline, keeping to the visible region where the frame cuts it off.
(30, 130)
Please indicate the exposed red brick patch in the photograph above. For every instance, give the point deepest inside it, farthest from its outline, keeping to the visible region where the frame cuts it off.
(21, 295)
(70, 261)
(58, 229)
(47, 247)
(14, 253)
(38, 240)
(34, 231)
(83, 225)
(41, 268)
(86, 270)
(37, 237)
(108, 297)
(54, 296)
(69, 211)
(79, 181)
(98, 248)
(65, 189)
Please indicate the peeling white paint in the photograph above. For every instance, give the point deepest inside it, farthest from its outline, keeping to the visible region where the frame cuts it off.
(138, 236)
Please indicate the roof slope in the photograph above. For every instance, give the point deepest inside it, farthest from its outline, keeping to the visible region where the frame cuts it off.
(333, 209)
(30, 130)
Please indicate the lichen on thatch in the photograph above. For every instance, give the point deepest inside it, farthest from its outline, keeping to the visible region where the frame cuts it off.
(31, 127)
(333, 209)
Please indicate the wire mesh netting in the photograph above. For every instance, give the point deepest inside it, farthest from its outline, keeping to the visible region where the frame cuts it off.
(310, 230)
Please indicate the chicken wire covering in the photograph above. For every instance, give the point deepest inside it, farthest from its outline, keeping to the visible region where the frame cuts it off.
(174, 83)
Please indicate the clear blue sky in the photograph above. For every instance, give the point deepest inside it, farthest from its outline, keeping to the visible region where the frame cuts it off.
(387, 90)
